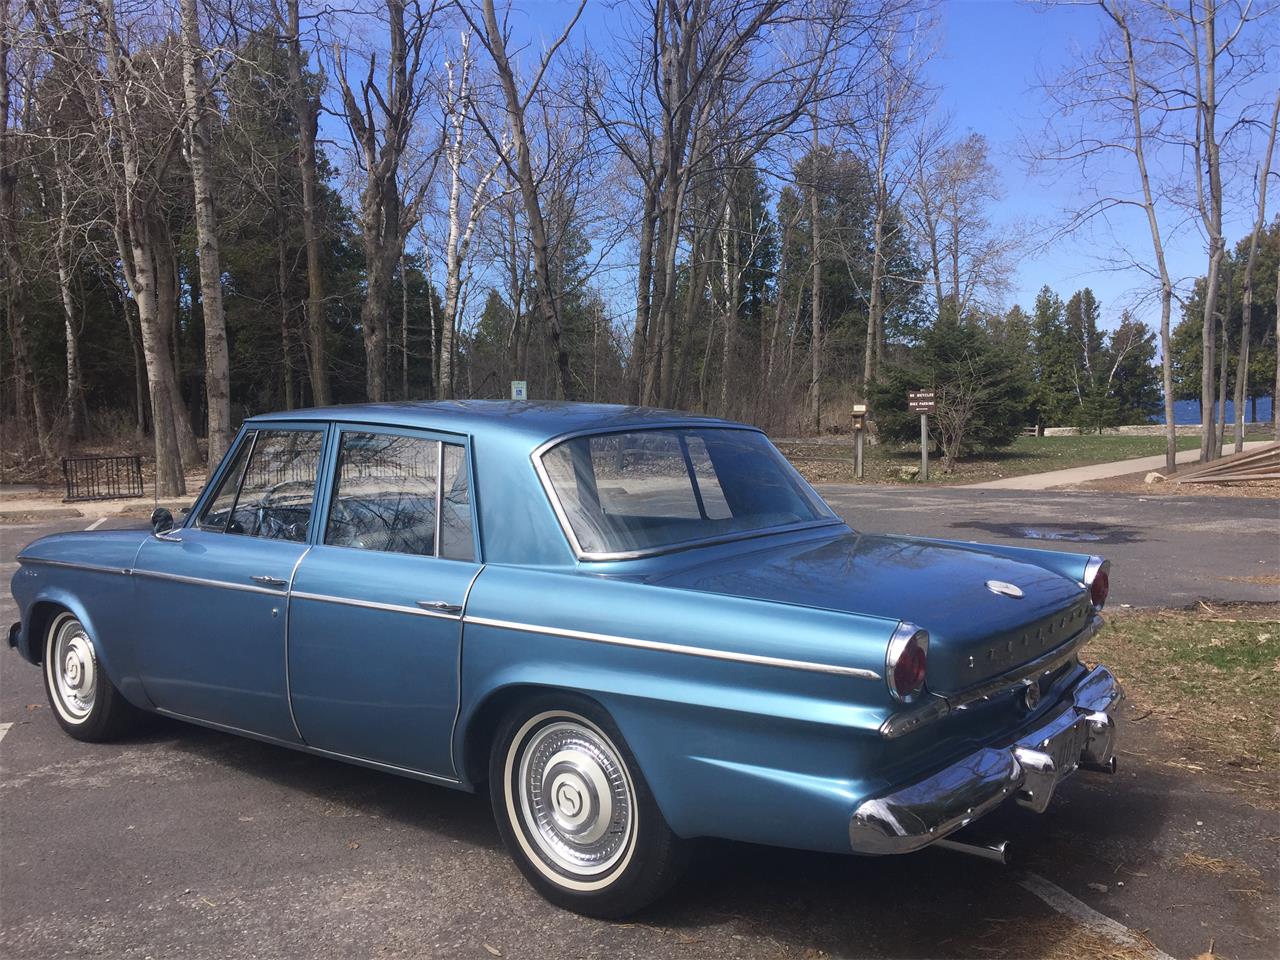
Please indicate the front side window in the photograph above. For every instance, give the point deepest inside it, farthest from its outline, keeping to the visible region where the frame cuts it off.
(270, 489)
(645, 490)
(386, 492)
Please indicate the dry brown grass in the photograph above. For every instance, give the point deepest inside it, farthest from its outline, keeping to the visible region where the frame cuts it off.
(1210, 678)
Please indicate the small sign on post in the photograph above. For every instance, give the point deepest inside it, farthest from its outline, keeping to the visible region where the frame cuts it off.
(923, 402)
(519, 389)
(859, 428)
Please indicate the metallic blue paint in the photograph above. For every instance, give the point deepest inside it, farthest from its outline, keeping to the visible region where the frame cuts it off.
(747, 677)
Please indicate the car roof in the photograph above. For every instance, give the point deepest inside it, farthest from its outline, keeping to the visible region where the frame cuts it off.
(534, 421)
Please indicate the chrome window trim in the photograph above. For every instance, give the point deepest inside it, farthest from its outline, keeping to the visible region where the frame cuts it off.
(372, 605)
(548, 488)
(663, 647)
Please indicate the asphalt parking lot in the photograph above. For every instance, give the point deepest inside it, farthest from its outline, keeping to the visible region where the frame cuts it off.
(189, 843)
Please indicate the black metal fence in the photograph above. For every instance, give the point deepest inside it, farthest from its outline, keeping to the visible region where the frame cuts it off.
(102, 478)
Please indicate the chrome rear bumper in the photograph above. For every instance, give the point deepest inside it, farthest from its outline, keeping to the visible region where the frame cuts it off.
(1028, 769)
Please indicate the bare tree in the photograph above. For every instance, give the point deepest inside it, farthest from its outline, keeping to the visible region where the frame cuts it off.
(217, 372)
(381, 121)
(459, 154)
(1123, 111)
(516, 155)
(306, 109)
(1246, 304)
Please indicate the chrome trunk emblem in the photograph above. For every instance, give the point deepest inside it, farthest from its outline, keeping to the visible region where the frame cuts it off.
(1003, 589)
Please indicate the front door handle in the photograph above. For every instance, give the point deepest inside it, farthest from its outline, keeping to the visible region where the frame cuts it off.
(440, 606)
(271, 582)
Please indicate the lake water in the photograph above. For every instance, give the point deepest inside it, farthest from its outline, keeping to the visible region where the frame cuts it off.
(1188, 411)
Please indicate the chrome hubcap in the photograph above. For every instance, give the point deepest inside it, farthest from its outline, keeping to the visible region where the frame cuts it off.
(575, 798)
(75, 670)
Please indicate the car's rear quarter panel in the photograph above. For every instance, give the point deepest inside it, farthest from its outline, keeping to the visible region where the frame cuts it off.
(731, 749)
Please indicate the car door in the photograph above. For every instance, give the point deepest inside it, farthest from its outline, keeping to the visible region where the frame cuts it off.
(375, 613)
(213, 594)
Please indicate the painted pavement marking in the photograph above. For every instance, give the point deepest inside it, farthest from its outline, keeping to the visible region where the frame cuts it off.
(96, 524)
(4, 728)
(1086, 916)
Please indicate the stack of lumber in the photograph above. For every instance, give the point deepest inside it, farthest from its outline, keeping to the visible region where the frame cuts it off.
(1260, 464)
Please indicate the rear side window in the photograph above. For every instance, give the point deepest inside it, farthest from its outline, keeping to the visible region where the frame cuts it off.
(270, 490)
(646, 490)
(386, 493)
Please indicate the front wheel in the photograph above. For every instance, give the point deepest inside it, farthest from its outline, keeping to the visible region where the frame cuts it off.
(575, 811)
(86, 704)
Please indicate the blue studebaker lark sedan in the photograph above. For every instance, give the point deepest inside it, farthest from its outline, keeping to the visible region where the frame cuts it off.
(633, 627)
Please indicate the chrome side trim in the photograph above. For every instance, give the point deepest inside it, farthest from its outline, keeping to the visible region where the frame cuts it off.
(205, 582)
(317, 751)
(373, 605)
(72, 565)
(288, 605)
(752, 658)
(939, 706)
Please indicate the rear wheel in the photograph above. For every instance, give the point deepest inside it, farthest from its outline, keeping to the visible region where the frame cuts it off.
(86, 704)
(575, 811)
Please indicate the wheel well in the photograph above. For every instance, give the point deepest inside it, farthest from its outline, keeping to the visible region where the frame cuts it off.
(483, 725)
(42, 614)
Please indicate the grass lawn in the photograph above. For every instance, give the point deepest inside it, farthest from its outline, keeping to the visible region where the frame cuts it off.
(1209, 677)
(830, 460)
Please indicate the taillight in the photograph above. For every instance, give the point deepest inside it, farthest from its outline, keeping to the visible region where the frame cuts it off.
(1097, 577)
(905, 662)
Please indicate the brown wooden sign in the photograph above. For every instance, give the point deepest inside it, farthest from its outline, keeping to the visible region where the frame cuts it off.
(921, 401)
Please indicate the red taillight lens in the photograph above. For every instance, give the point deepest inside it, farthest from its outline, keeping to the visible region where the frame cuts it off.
(906, 661)
(1099, 589)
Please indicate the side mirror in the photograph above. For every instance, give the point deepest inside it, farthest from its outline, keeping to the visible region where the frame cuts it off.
(161, 520)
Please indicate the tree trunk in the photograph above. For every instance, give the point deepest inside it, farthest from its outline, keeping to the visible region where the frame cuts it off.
(1246, 305)
(166, 300)
(306, 109)
(815, 294)
(75, 405)
(644, 301)
(282, 291)
(1211, 214)
(217, 371)
(545, 292)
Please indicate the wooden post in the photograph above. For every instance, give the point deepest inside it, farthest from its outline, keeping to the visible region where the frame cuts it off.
(924, 447)
(858, 452)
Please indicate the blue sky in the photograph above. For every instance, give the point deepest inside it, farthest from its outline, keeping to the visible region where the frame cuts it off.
(992, 55)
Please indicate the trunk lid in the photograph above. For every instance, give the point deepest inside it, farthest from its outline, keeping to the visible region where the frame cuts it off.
(975, 634)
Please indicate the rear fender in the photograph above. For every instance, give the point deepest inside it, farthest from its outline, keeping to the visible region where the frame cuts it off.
(740, 751)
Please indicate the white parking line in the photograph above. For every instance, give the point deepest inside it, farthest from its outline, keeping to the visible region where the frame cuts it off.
(1086, 916)
(4, 728)
(96, 524)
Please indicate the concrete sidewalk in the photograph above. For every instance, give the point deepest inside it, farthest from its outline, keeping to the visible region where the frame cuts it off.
(1094, 471)
(18, 509)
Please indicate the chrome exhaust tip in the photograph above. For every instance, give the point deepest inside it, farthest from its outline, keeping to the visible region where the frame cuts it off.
(1001, 852)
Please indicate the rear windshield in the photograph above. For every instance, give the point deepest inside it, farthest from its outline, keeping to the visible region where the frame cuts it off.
(646, 490)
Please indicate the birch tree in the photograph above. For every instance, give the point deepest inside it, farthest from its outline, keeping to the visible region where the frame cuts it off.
(1246, 299)
(460, 154)
(217, 372)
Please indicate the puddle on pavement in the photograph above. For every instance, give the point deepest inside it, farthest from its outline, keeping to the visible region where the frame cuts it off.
(1059, 532)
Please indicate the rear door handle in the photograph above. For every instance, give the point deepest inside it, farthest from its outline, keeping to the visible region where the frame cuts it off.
(271, 582)
(440, 606)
